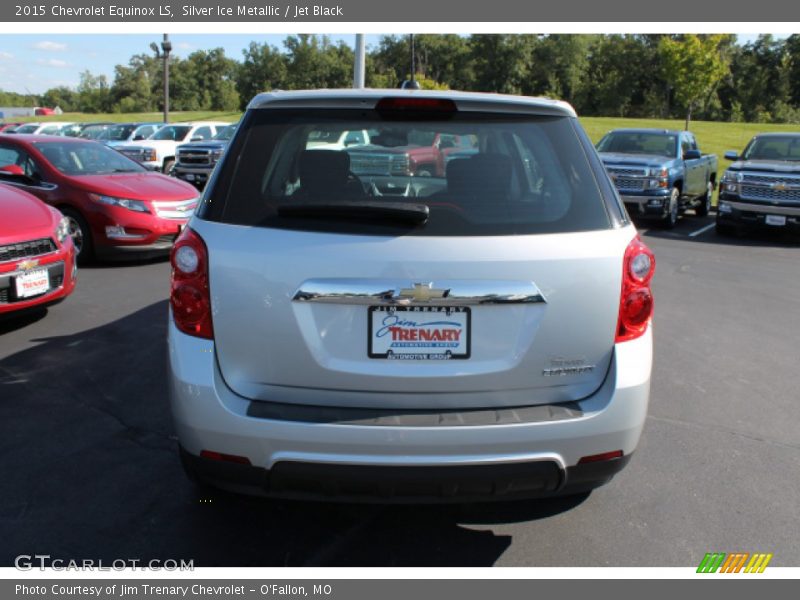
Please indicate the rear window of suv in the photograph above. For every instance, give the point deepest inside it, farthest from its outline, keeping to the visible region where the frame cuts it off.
(498, 174)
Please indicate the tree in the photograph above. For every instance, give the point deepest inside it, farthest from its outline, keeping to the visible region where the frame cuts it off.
(263, 69)
(503, 63)
(694, 65)
(314, 62)
(93, 94)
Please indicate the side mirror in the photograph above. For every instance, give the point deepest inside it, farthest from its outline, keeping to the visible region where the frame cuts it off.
(12, 170)
(138, 137)
(198, 138)
(731, 155)
(691, 154)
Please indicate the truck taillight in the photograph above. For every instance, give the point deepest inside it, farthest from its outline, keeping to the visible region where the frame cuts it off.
(190, 297)
(636, 298)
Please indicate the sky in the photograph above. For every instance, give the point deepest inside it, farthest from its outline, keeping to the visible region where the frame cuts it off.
(36, 63)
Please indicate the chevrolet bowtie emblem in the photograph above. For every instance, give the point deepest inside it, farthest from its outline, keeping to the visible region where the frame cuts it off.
(779, 186)
(422, 292)
(27, 265)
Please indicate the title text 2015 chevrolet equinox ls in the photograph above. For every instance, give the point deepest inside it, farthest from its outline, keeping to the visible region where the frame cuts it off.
(340, 328)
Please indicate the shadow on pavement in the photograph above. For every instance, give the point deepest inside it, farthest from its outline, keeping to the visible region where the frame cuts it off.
(18, 320)
(90, 470)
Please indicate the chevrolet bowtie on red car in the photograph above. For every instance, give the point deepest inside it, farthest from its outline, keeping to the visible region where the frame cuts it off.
(113, 205)
(37, 258)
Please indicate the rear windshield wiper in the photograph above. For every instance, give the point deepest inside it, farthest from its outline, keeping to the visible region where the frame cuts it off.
(391, 211)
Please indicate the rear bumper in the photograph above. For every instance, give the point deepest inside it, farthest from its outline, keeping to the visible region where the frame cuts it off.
(292, 456)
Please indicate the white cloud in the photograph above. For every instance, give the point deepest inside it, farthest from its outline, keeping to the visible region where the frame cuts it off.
(49, 46)
(185, 46)
(6, 56)
(52, 62)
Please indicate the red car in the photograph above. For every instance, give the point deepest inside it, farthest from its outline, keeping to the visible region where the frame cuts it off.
(37, 258)
(113, 204)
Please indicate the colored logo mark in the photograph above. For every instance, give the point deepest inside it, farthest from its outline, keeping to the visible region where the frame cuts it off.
(736, 562)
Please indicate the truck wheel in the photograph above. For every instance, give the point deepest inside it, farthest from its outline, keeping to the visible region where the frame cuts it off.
(81, 235)
(168, 164)
(673, 209)
(424, 171)
(702, 209)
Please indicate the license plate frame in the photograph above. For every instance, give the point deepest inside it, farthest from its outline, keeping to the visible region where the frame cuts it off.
(440, 343)
(775, 220)
(23, 291)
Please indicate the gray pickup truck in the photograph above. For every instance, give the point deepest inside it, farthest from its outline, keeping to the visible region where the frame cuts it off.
(762, 186)
(659, 173)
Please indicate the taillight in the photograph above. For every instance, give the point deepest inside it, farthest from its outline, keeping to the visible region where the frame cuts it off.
(190, 297)
(636, 299)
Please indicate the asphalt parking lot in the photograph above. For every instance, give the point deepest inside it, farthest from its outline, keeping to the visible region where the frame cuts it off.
(90, 470)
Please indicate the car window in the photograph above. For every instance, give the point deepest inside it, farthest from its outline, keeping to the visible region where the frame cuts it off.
(90, 158)
(175, 133)
(354, 138)
(26, 128)
(203, 133)
(15, 156)
(226, 133)
(773, 148)
(524, 174)
(658, 144)
(51, 130)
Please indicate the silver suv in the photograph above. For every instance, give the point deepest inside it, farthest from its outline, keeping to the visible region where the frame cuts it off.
(480, 335)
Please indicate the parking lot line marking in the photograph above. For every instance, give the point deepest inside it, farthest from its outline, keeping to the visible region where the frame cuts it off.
(702, 230)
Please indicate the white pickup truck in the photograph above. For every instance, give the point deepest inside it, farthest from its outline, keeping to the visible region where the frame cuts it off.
(157, 153)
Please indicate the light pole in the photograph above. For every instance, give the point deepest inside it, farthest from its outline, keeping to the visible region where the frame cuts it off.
(359, 68)
(166, 47)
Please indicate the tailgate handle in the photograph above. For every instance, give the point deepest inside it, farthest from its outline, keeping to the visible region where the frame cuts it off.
(373, 292)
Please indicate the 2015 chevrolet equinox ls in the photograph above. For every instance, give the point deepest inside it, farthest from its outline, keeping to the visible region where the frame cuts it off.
(340, 328)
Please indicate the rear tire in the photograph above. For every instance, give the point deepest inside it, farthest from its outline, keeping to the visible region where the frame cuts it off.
(81, 235)
(168, 164)
(702, 209)
(673, 210)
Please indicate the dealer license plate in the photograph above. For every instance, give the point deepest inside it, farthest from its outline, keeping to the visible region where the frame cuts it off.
(778, 220)
(419, 332)
(32, 283)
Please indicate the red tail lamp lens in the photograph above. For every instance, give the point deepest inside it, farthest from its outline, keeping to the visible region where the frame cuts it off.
(190, 296)
(636, 298)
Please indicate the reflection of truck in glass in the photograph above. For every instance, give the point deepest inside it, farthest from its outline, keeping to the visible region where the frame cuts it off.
(336, 140)
(659, 173)
(762, 186)
(418, 153)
